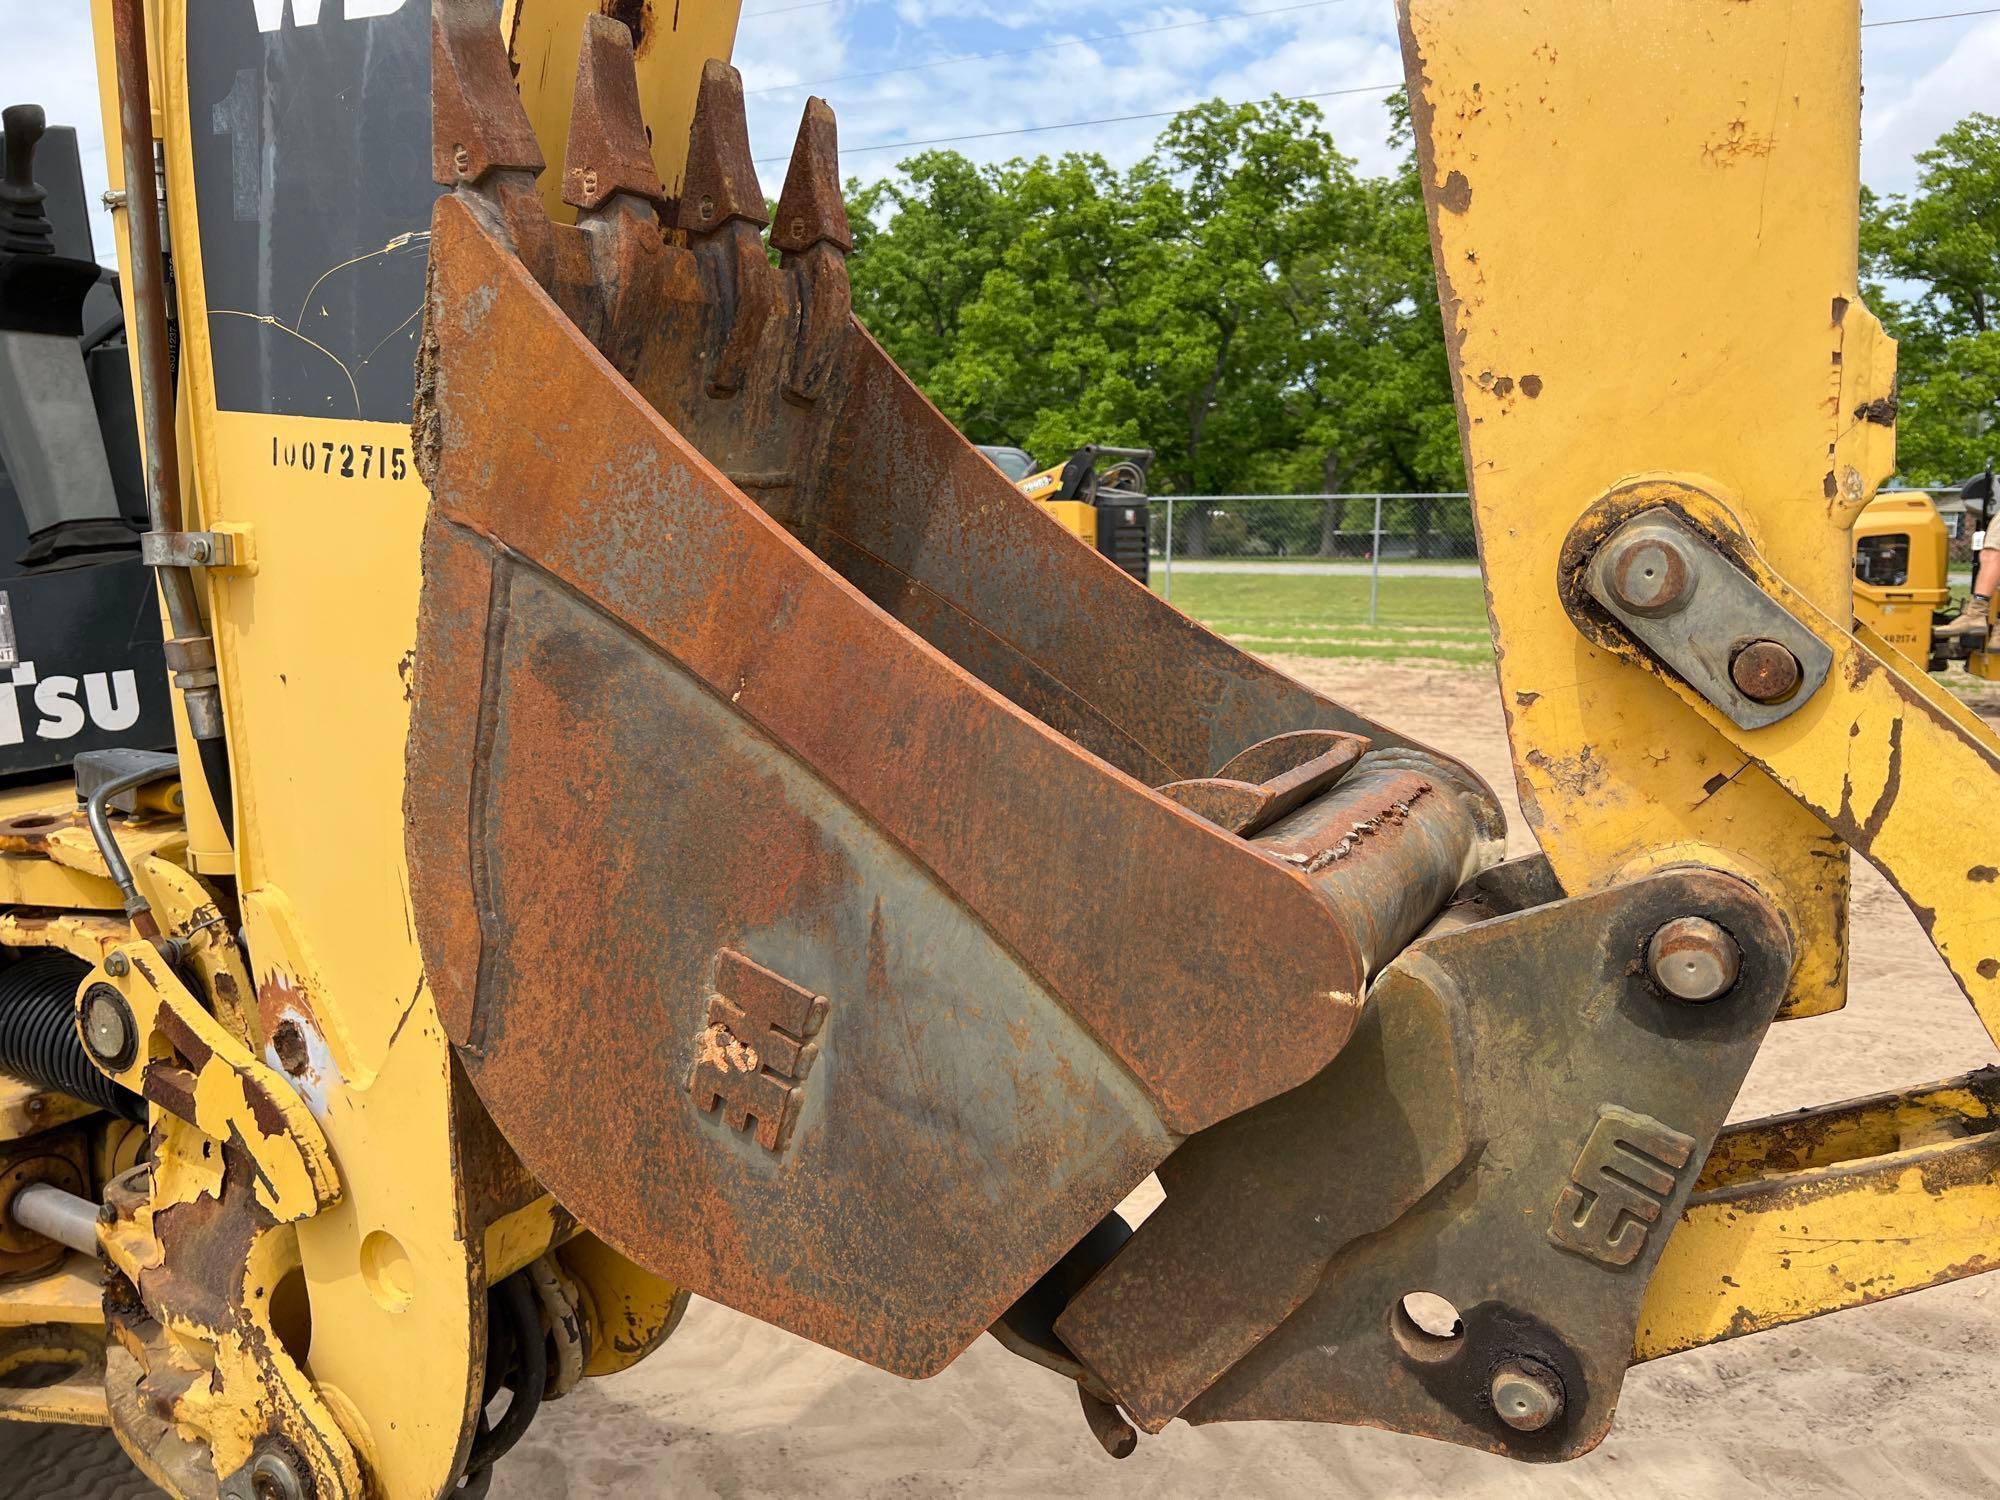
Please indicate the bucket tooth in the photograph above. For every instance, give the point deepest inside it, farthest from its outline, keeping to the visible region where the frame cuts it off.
(722, 210)
(607, 152)
(610, 179)
(811, 209)
(812, 236)
(720, 184)
(482, 143)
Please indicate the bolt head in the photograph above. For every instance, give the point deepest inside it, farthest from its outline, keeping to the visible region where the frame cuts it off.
(116, 964)
(107, 1026)
(706, 208)
(1765, 672)
(1527, 1396)
(1650, 573)
(198, 550)
(1693, 959)
(275, 1475)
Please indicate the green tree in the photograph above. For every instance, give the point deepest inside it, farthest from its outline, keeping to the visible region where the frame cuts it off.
(1241, 301)
(1934, 260)
(1377, 378)
(947, 226)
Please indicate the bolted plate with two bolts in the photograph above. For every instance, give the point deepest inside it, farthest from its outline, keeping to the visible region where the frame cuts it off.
(1707, 619)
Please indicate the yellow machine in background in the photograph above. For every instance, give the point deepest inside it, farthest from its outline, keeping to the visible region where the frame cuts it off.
(1104, 508)
(651, 812)
(1901, 584)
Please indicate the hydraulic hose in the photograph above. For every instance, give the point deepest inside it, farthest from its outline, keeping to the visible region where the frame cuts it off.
(514, 1300)
(38, 1040)
(190, 651)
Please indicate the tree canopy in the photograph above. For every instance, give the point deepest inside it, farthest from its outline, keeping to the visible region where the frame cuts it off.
(1241, 300)
(1264, 316)
(1933, 259)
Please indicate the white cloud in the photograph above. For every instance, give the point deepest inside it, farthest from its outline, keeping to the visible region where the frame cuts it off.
(1915, 93)
(1314, 58)
(794, 47)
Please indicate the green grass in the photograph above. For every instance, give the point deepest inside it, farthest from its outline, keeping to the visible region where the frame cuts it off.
(1420, 619)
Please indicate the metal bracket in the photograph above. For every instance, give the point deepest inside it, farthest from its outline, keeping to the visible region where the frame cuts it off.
(1536, 1206)
(130, 770)
(1867, 761)
(154, 1037)
(190, 549)
(1707, 619)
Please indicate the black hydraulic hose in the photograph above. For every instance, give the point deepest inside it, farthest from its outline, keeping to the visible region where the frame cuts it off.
(38, 1040)
(516, 1302)
(476, 1483)
(215, 771)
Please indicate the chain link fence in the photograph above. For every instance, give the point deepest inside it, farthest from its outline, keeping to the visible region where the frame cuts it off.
(1392, 576)
(1357, 535)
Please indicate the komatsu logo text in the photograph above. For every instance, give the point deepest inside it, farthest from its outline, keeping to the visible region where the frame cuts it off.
(59, 706)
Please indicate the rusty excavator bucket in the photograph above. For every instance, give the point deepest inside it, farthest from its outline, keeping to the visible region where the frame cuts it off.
(843, 889)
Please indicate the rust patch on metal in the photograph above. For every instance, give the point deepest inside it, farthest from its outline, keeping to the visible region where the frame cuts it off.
(636, 16)
(289, 1042)
(608, 152)
(1270, 779)
(1738, 142)
(1578, 776)
(1456, 194)
(1765, 672)
(28, 833)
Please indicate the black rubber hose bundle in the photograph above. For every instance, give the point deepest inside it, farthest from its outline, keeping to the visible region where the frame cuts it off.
(38, 1041)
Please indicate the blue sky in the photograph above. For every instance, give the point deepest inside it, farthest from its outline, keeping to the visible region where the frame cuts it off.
(1918, 78)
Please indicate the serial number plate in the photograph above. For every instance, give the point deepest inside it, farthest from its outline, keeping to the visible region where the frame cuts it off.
(343, 460)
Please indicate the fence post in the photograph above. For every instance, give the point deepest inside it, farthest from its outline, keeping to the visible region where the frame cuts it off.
(1375, 565)
(1167, 569)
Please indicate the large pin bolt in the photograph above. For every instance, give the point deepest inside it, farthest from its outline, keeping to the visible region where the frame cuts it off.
(1650, 574)
(1692, 959)
(275, 1476)
(1765, 672)
(108, 1030)
(1526, 1395)
(275, 1473)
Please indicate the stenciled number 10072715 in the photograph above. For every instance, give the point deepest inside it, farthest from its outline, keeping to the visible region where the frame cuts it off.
(342, 460)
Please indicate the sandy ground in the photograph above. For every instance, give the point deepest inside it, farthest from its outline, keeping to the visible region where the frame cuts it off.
(1898, 1399)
